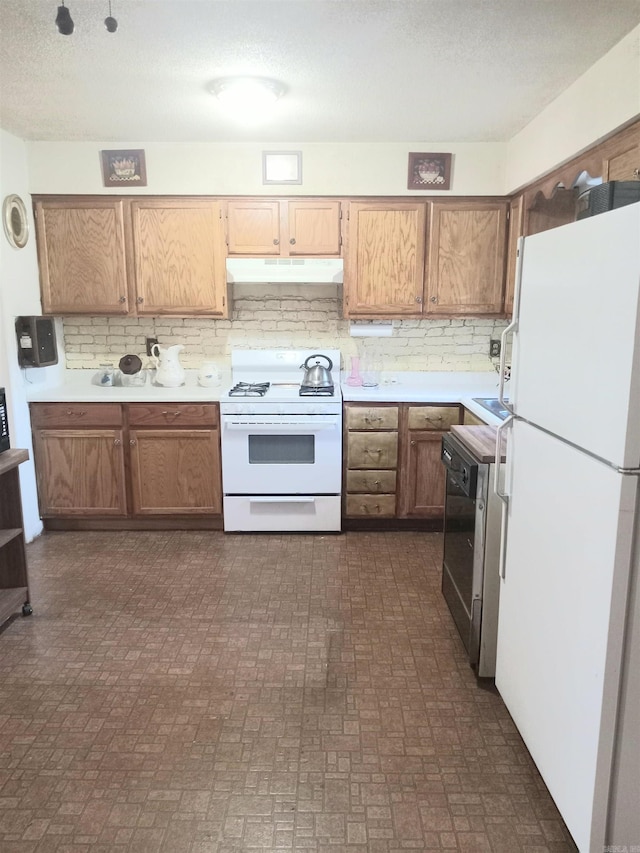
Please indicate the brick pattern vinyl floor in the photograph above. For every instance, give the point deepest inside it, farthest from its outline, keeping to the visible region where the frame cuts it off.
(209, 693)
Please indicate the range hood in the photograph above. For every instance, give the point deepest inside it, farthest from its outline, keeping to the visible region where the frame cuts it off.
(291, 270)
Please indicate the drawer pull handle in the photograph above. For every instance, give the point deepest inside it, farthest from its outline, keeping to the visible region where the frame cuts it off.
(174, 414)
(433, 417)
(77, 414)
(371, 419)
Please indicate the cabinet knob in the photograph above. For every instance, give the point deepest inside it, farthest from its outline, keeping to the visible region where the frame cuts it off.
(276, 242)
(636, 173)
(433, 299)
(140, 300)
(412, 443)
(132, 442)
(293, 241)
(419, 300)
(122, 299)
(117, 442)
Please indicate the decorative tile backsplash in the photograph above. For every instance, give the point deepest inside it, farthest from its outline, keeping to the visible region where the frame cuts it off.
(278, 315)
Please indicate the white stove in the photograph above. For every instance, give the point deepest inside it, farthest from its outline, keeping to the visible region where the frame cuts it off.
(281, 451)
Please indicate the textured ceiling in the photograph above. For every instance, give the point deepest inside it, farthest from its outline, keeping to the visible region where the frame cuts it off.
(356, 70)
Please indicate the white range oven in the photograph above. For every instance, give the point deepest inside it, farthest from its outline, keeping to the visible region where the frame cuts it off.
(281, 445)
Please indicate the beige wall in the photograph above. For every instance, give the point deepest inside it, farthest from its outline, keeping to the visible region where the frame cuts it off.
(19, 294)
(604, 98)
(273, 316)
(236, 169)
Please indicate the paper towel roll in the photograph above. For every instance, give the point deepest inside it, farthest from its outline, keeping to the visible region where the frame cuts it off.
(370, 330)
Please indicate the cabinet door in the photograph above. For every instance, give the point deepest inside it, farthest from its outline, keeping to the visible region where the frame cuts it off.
(80, 472)
(253, 227)
(466, 258)
(179, 257)
(624, 166)
(516, 209)
(384, 261)
(82, 256)
(175, 472)
(314, 228)
(422, 480)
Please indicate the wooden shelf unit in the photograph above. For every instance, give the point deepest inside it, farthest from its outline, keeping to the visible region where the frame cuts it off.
(14, 582)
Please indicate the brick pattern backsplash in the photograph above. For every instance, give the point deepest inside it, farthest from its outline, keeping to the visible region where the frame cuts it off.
(274, 316)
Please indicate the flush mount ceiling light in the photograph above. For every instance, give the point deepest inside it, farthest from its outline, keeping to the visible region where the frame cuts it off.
(247, 98)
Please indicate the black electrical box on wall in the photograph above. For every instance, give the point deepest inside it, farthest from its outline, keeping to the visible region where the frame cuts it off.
(36, 341)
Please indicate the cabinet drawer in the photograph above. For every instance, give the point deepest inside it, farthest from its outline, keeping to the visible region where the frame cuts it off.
(372, 417)
(172, 415)
(371, 482)
(372, 450)
(433, 417)
(371, 505)
(76, 415)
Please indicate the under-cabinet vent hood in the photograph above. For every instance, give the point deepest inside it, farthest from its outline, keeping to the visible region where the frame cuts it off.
(291, 270)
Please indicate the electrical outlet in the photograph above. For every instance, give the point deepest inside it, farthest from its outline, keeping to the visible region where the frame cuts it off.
(150, 343)
(494, 348)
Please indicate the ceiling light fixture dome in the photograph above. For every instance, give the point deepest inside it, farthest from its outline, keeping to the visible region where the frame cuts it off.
(248, 98)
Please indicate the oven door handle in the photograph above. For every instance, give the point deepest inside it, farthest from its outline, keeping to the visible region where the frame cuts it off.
(278, 426)
(282, 499)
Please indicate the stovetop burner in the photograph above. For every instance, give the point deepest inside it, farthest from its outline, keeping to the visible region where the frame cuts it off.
(249, 389)
(314, 391)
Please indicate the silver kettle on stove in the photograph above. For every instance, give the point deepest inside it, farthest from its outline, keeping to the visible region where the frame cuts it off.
(317, 376)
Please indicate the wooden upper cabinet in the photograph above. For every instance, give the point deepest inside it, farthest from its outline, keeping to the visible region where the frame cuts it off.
(516, 224)
(623, 165)
(313, 227)
(284, 228)
(82, 256)
(466, 258)
(253, 227)
(180, 252)
(384, 264)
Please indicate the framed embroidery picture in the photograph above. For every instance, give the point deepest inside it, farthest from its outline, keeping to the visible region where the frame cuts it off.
(429, 172)
(124, 168)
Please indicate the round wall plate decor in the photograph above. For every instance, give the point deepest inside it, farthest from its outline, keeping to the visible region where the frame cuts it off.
(14, 219)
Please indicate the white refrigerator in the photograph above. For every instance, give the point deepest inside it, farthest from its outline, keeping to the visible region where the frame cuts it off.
(568, 658)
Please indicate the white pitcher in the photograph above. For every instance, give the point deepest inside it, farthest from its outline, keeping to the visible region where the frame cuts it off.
(170, 372)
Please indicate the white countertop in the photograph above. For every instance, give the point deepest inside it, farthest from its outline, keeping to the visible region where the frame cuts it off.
(399, 387)
(430, 387)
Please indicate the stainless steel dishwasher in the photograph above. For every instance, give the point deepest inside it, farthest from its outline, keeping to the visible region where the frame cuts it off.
(470, 582)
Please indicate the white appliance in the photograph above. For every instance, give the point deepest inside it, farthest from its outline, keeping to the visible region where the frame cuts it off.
(281, 450)
(568, 657)
(288, 270)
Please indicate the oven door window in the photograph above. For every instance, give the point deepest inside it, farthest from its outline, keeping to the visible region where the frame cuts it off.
(281, 449)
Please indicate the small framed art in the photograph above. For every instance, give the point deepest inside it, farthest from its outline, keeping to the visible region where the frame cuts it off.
(124, 168)
(282, 167)
(429, 172)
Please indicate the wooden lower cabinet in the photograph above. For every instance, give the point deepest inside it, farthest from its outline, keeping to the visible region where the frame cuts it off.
(392, 460)
(80, 472)
(144, 461)
(175, 471)
(423, 478)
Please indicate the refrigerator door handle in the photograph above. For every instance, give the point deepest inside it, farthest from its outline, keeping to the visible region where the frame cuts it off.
(504, 497)
(511, 328)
